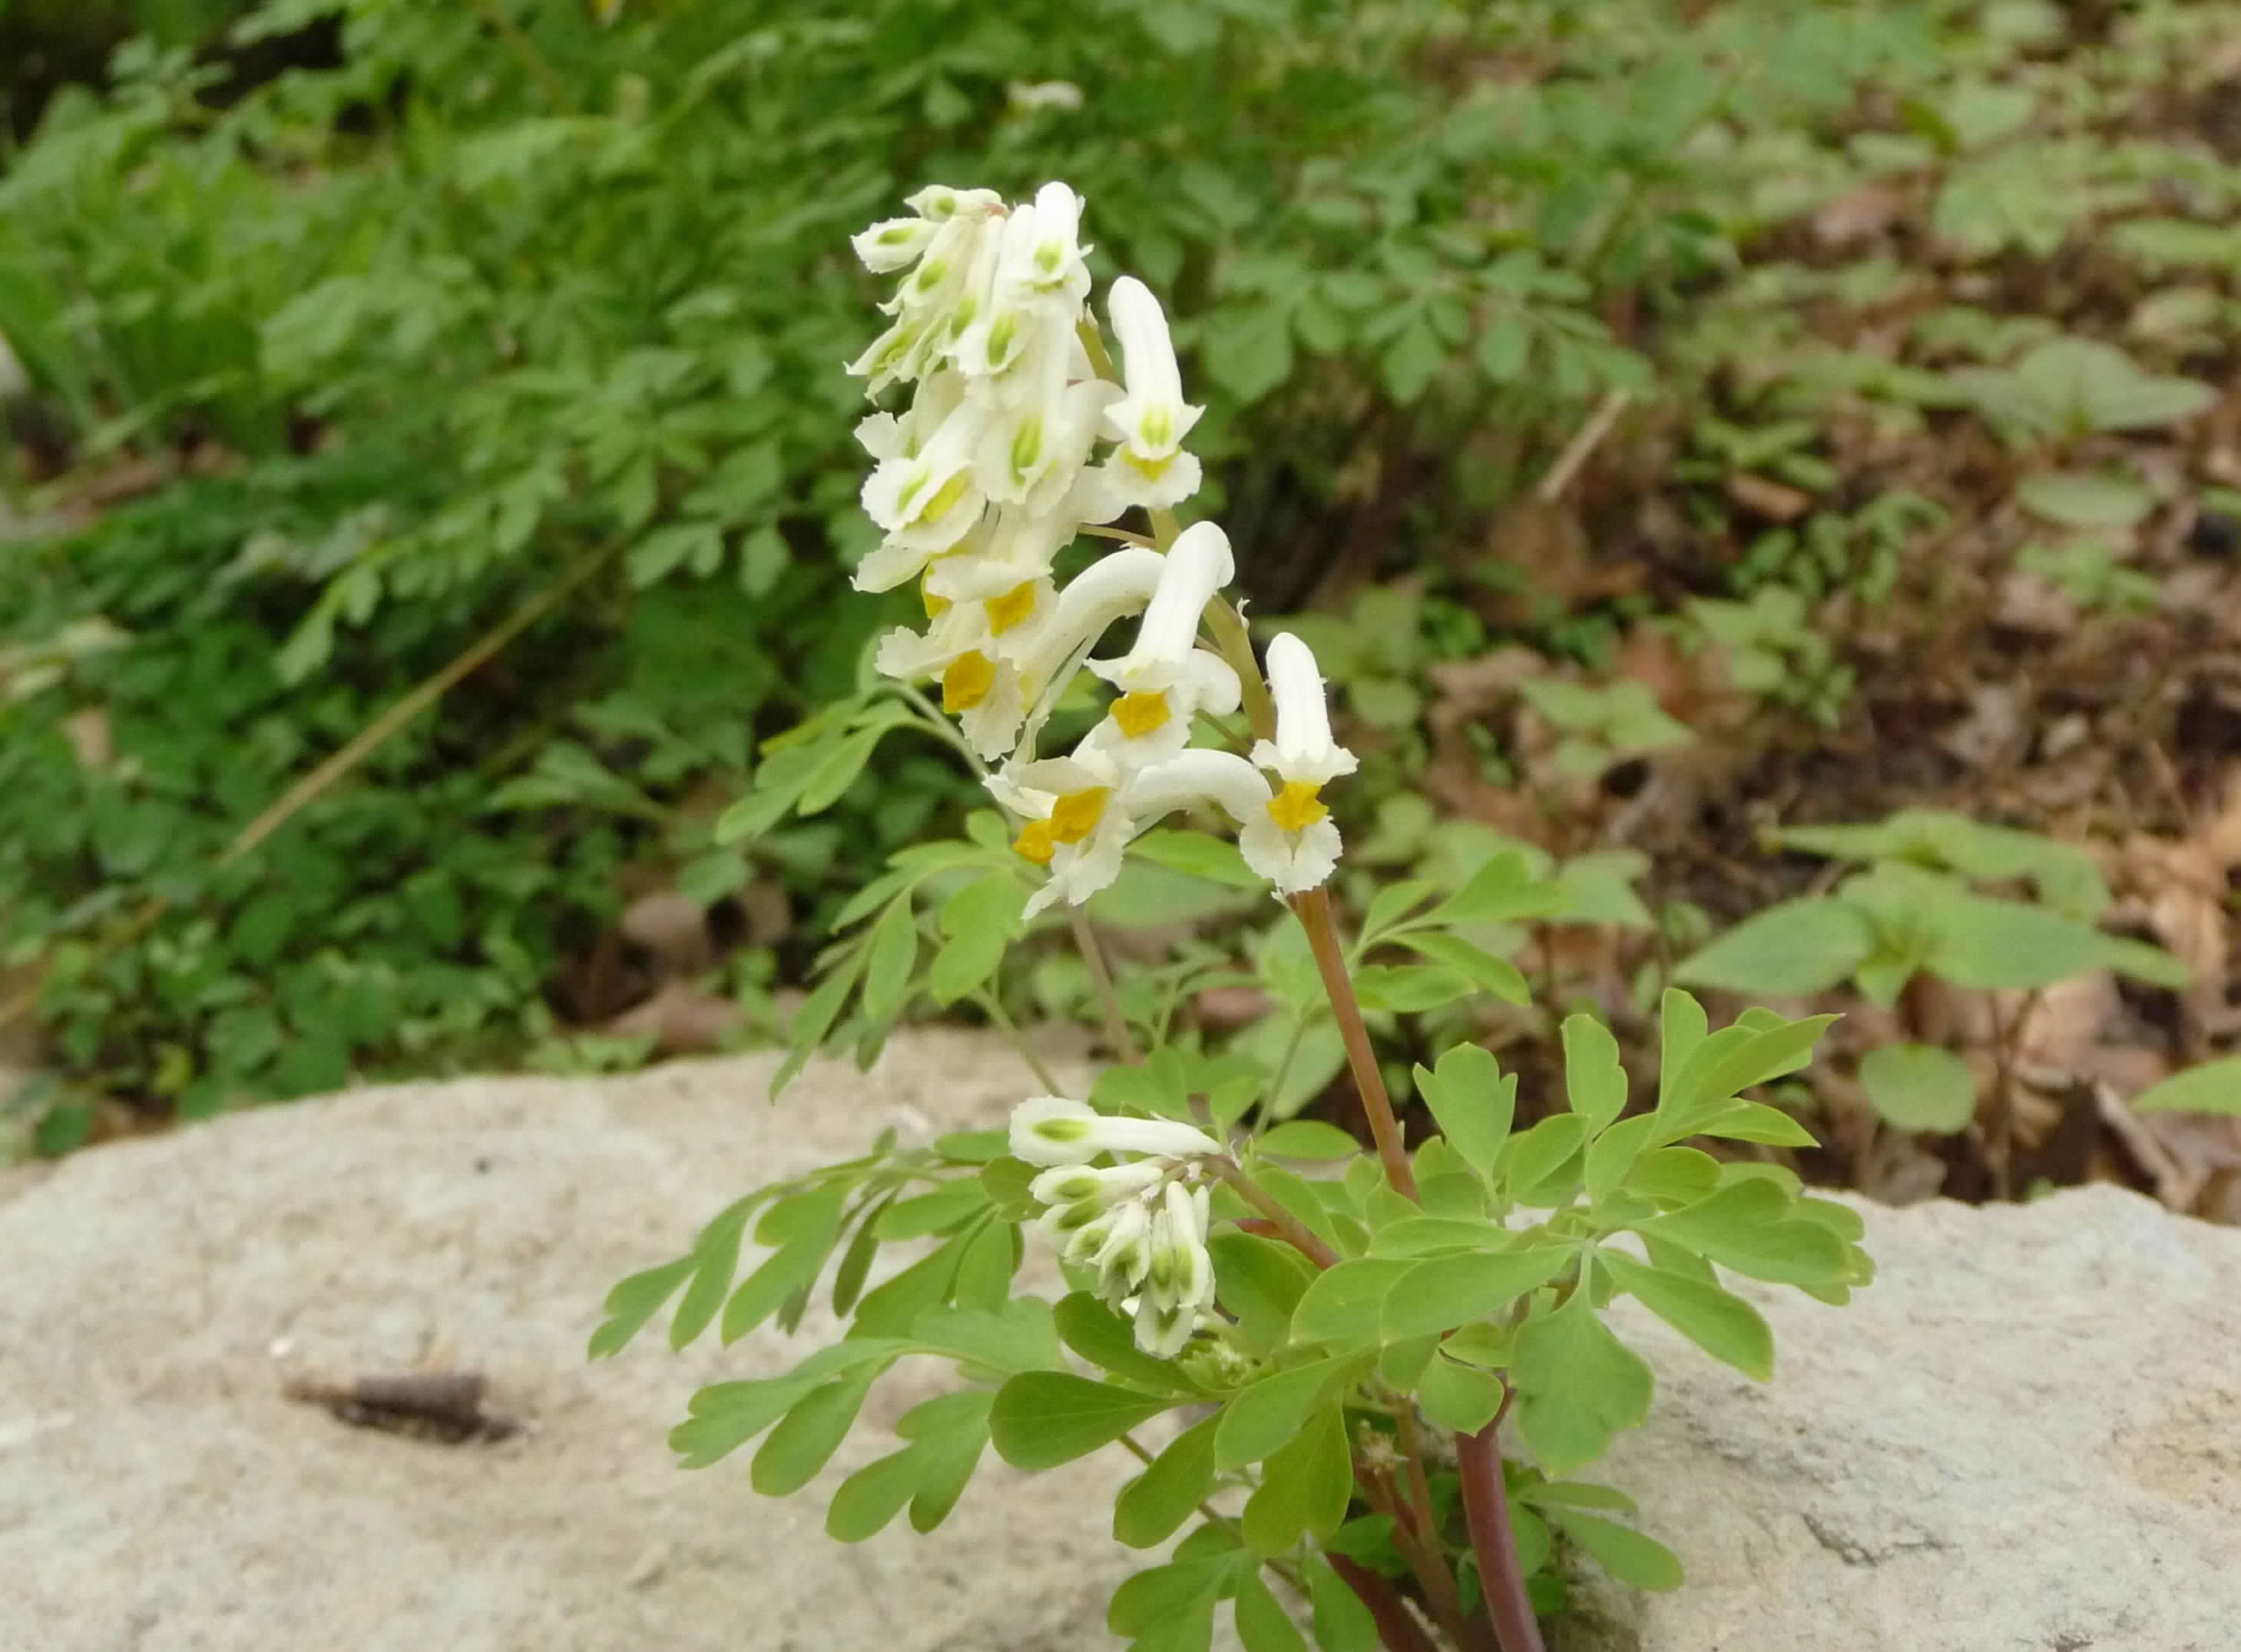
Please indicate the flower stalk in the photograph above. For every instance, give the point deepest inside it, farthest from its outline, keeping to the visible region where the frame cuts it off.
(1314, 914)
(1493, 1540)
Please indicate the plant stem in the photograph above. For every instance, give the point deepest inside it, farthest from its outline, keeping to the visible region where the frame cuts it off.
(1227, 623)
(1419, 1545)
(1281, 1219)
(1396, 1628)
(940, 727)
(1283, 1569)
(1012, 1036)
(1314, 914)
(1116, 1024)
(1439, 1578)
(1486, 1506)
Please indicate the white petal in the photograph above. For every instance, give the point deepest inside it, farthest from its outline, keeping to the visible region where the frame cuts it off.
(1292, 861)
(1196, 777)
(1303, 749)
(1053, 1130)
(1074, 1184)
(1198, 564)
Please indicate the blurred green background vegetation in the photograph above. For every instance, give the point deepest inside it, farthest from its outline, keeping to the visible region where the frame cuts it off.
(429, 475)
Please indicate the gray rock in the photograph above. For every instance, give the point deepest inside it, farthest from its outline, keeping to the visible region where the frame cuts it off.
(158, 1493)
(2027, 1435)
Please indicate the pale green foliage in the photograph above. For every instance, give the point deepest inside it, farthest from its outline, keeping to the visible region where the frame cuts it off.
(1442, 1303)
(1913, 908)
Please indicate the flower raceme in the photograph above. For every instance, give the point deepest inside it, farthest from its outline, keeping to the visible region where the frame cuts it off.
(1140, 1225)
(1014, 442)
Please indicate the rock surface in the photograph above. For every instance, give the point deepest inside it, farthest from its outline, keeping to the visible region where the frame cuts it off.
(2027, 1435)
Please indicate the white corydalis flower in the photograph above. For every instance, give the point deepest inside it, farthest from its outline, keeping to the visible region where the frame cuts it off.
(1140, 1225)
(1056, 1130)
(1165, 679)
(973, 648)
(1072, 827)
(1177, 1284)
(927, 501)
(1292, 841)
(1150, 418)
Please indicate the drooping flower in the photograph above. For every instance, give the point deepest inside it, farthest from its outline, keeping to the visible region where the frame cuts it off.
(1292, 841)
(1140, 1225)
(1165, 679)
(1055, 1130)
(927, 500)
(1150, 418)
(1072, 827)
(973, 648)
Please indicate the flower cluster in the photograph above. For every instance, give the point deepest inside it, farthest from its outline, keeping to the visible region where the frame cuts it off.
(1014, 442)
(1140, 1223)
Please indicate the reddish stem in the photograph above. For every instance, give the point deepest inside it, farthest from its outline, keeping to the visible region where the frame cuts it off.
(1314, 913)
(1486, 1506)
(1277, 1220)
(1396, 1626)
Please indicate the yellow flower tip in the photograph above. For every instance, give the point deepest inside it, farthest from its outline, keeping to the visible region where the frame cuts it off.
(952, 491)
(1298, 806)
(967, 683)
(1140, 714)
(1035, 843)
(936, 604)
(1012, 608)
(1075, 816)
(1150, 469)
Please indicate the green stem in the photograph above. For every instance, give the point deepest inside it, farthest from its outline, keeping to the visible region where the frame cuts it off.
(1283, 1569)
(1294, 1232)
(1012, 1036)
(1235, 643)
(939, 727)
(1116, 1024)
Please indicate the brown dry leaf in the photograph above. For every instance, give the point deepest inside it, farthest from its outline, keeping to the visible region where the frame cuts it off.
(1544, 541)
(673, 930)
(1775, 501)
(1995, 730)
(2182, 896)
(1860, 214)
(2220, 835)
(2028, 602)
(680, 1019)
(2061, 1035)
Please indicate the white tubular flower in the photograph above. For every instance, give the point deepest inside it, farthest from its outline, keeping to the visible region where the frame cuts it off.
(1072, 827)
(1151, 419)
(972, 647)
(893, 244)
(1032, 452)
(1166, 678)
(1177, 1282)
(940, 203)
(1291, 858)
(927, 501)
(884, 436)
(1067, 1184)
(1043, 255)
(1055, 1130)
(1108, 591)
(1293, 842)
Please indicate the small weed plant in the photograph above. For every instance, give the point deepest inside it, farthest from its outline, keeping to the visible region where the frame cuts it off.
(1361, 1394)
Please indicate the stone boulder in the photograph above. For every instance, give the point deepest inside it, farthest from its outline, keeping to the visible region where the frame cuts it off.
(2027, 1435)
